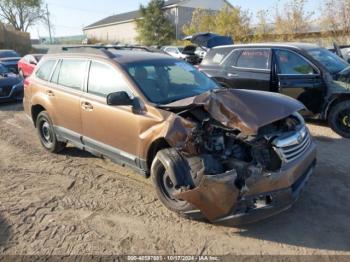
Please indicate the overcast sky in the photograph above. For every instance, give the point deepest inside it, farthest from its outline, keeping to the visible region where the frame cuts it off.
(69, 17)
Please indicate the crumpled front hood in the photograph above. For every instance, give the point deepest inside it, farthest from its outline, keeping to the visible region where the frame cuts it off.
(246, 110)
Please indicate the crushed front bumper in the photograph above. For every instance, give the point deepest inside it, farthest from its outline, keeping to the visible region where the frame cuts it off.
(267, 194)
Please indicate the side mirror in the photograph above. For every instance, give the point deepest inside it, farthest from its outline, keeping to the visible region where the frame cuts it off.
(119, 99)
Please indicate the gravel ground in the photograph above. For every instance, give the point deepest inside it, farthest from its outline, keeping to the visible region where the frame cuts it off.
(75, 203)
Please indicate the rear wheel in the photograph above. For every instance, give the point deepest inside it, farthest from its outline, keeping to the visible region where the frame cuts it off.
(339, 118)
(47, 134)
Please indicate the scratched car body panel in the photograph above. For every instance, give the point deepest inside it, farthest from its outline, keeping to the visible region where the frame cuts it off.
(229, 156)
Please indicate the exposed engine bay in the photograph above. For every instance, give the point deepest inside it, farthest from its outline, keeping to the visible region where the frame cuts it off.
(226, 145)
(227, 162)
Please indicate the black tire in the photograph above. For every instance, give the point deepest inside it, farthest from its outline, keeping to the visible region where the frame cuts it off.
(339, 118)
(165, 188)
(47, 134)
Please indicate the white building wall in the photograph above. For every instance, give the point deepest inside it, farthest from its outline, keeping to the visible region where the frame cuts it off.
(123, 33)
(179, 16)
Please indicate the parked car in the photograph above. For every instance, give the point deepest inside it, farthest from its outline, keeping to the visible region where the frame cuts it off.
(313, 75)
(343, 51)
(9, 59)
(27, 64)
(187, 53)
(11, 86)
(200, 52)
(209, 40)
(230, 156)
(174, 51)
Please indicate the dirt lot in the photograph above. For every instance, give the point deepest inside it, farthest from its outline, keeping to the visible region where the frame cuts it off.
(74, 203)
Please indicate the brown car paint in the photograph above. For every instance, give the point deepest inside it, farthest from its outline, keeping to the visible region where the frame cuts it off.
(134, 134)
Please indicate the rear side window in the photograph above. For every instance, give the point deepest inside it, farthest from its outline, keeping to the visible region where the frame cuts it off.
(72, 73)
(104, 80)
(216, 56)
(44, 72)
(290, 63)
(254, 58)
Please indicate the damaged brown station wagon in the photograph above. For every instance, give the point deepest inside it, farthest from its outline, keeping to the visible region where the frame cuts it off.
(227, 156)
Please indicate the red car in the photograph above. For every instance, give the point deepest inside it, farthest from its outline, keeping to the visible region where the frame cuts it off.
(27, 64)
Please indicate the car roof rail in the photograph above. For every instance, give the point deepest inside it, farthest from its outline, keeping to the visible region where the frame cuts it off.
(104, 50)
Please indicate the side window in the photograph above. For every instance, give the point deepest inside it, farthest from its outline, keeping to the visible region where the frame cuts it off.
(104, 80)
(44, 72)
(290, 63)
(254, 58)
(216, 56)
(72, 73)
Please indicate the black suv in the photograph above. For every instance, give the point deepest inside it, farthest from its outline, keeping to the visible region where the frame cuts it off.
(313, 75)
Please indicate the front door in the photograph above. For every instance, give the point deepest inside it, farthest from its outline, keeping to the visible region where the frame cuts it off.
(300, 79)
(249, 69)
(111, 130)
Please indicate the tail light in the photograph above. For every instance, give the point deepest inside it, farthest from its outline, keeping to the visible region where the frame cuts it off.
(26, 83)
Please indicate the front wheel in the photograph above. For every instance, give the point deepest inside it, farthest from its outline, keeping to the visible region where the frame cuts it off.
(339, 118)
(47, 134)
(165, 187)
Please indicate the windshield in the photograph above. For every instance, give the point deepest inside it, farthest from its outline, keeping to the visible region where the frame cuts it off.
(6, 54)
(332, 62)
(166, 81)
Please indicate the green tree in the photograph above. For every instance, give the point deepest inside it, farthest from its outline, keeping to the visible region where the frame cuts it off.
(291, 20)
(229, 21)
(202, 21)
(234, 22)
(154, 28)
(21, 14)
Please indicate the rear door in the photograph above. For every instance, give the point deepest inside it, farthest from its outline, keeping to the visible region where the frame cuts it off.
(66, 89)
(297, 77)
(249, 68)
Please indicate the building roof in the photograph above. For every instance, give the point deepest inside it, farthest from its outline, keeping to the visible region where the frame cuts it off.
(127, 16)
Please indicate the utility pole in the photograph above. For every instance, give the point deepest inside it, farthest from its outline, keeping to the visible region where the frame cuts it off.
(48, 22)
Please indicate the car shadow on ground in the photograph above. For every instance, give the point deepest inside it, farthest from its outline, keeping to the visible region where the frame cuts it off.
(76, 152)
(5, 233)
(320, 218)
(11, 106)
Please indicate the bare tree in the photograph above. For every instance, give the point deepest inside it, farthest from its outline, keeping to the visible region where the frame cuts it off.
(263, 28)
(291, 20)
(335, 20)
(21, 14)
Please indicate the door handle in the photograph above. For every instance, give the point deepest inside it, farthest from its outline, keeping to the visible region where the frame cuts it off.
(87, 106)
(232, 75)
(50, 93)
